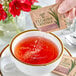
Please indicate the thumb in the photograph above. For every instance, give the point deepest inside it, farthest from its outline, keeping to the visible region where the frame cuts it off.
(57, 1)
(66, 5)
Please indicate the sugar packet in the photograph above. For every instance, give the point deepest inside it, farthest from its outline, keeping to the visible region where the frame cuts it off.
(73, 71)
(67, 67)
(48, 19)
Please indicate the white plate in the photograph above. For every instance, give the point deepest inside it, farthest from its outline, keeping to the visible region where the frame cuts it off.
(8, 68)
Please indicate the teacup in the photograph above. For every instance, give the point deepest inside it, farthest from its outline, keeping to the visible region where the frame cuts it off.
(36, 70)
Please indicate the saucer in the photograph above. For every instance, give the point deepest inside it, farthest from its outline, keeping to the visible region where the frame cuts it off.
(8, 68)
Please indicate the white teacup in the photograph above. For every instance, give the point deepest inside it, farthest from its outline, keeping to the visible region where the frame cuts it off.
(36, 70)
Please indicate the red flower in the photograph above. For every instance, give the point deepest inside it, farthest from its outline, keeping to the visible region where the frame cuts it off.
(33, 1)
(26, 4)
(1, 6)
(15, 8)
(28, 1)
(26, 7)
(3, 14)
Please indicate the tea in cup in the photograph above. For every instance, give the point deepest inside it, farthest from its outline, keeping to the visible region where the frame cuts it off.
(35, 52)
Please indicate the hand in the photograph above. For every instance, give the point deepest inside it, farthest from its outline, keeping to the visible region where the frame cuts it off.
(67, 7)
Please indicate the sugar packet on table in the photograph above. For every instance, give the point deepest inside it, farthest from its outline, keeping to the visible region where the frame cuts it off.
(73, 71)
(48, 19)
(67, 67)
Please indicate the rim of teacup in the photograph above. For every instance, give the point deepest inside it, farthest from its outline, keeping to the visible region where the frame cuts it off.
(37, 64)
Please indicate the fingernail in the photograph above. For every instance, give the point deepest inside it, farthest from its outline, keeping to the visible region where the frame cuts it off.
(60, 10)
(71, 17)
(57, 1)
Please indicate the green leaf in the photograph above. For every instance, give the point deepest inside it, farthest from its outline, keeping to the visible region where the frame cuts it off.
(72, 66)
(55, 16)
(51, 14)
(34, 7)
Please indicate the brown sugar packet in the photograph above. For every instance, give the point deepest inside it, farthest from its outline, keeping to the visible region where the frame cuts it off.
(73, 71)
(48, 19)
(65, 66)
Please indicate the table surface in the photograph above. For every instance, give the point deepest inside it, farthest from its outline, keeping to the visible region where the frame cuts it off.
(27, 27)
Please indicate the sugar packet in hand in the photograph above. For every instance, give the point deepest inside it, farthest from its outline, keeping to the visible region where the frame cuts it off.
(48, 19)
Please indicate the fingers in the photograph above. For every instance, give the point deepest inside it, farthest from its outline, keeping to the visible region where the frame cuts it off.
(66, 5)
(72, 13)
(67, 8)
(58, 1)
(66, 14)
(75, 12)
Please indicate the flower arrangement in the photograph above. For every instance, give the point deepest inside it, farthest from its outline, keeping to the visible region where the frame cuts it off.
(12, 8)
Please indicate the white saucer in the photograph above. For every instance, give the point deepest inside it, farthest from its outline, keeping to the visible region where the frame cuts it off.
(8, 68)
